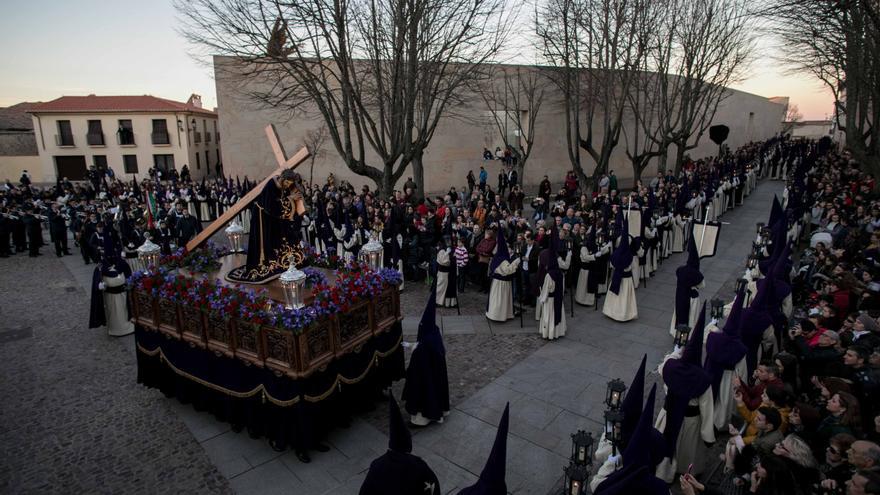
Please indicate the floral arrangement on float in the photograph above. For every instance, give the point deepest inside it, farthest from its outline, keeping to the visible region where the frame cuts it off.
(354, 283)
(203, 259)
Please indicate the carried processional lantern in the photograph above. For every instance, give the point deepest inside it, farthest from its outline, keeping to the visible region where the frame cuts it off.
(575, 479)
(760, 228)
(614, 427)
(235, 234)
(741, 285)
(293, 281)
(371, 254)
(582, 448)
(717, 311)
(682, 332)
(148, 254)
(614, 393)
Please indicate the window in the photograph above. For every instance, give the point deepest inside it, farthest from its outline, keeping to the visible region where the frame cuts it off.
(65, 134)
(95, 136)
(164, 163)
(199, 161)
(207, 134)
(216, 134)
(125, 134)
(218, 155)
(160, 132)
(130, 163)
(100, 162)
(207, 160)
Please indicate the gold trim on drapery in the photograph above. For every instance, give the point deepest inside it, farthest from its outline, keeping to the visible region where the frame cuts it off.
(374, 361)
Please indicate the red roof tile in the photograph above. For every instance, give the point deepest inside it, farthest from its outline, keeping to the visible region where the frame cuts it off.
(116, 104)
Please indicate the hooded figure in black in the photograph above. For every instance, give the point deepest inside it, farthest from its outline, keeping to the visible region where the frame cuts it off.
(620, 303)
(109, 300)
(687, 297)
(426, 392)
(491, 480)
(688, 412)
(640, 458)
(549, 311)
(398, 472)
(725, 358)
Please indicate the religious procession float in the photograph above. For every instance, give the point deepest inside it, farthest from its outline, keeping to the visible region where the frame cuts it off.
(274, 337)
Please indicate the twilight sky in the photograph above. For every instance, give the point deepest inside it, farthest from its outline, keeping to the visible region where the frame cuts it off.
(53, 48)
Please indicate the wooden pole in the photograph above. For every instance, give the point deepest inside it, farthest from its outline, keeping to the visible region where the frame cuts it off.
(284, 163)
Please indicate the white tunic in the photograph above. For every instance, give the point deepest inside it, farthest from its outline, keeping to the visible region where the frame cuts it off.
(581, 295)
(677, 234)
(688, 445)
(443, 281)
(622, 306)
(115, 309)
(694, 313)
(544, 313)
(725, 403)
(501, 293)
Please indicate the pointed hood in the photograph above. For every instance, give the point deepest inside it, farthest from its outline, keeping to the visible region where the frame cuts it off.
(399, 437)
(632, 402)
(641, 450)
(429, 334)
(693, 260)
(642, 455)
(776, 212)
(621, 259)
(725, 349)
(734, 319)
(492, 478)
(693, 350)
(501, 252)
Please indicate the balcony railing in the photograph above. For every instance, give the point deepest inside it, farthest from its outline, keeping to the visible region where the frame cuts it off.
(125, 138)
(197, 137)
(95, 138)
(64, 140)
(160, 138)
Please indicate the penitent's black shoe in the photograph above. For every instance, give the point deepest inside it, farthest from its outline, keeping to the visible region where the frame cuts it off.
(303, 457)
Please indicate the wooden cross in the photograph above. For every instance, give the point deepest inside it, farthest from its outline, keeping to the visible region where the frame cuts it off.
(284, 163)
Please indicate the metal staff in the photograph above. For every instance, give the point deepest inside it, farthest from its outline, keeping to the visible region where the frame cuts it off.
(703, 235)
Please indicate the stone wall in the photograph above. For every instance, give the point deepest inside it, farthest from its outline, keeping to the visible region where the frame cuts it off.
(458, 143)
(18, 143)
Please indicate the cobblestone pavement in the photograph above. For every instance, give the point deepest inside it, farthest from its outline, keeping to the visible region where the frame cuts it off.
(73, 419)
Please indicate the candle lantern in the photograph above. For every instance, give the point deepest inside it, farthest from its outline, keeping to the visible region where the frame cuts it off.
(235, 234)
(752, 263)
(741, 285)
(760, 226)
(293, 281)
(757, 248)
(148, 254)
(717, 306)
(582, 448)
(682, 332)
(614, 427)
(614, 393)
(371, 254)
(575, 479)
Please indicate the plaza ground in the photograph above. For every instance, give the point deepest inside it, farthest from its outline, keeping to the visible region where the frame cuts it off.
(74, 420)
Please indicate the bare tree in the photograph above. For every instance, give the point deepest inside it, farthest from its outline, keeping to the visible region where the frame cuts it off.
(314, 142)
(380, 74)
(514, 96)
(597, 48)
(711, 44)
(839, 44)
(792, 117)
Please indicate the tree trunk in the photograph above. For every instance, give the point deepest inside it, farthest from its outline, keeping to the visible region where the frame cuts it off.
(679, 156)
(418, 169)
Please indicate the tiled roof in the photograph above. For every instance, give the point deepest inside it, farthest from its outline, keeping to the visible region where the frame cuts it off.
(115, 104)
(16, 117)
